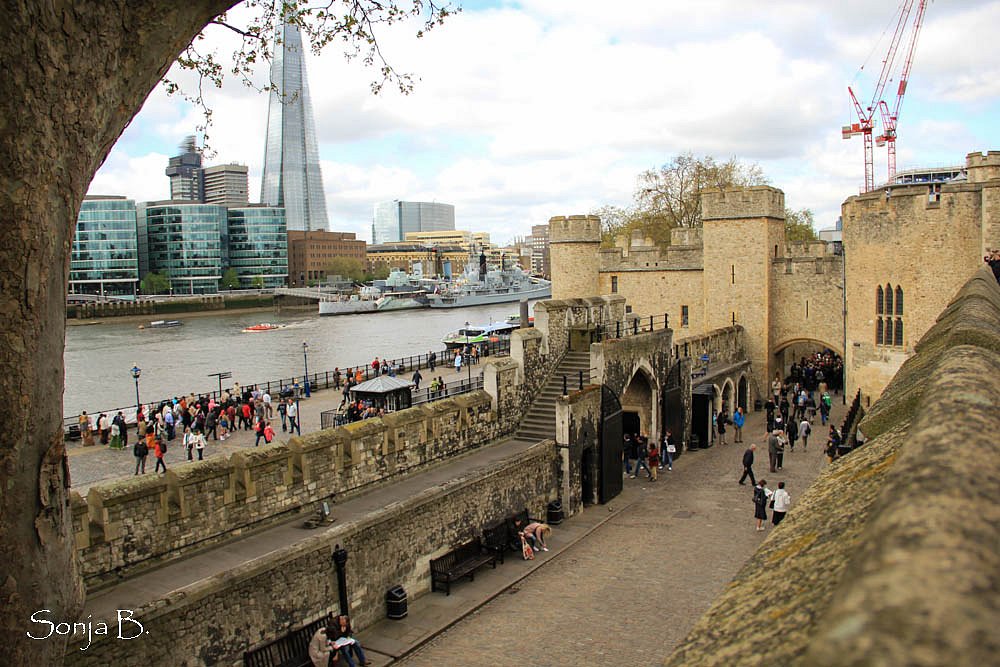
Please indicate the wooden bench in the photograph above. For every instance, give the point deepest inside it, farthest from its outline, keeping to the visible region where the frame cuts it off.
(463, 561)
(292, 650)
(496, 539)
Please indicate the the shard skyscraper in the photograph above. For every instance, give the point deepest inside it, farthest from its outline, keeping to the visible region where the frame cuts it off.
(292, 177)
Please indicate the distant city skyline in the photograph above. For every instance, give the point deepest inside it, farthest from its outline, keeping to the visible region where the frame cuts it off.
(554, 109)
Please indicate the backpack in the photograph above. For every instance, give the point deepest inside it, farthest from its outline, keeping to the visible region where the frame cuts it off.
(758, 496)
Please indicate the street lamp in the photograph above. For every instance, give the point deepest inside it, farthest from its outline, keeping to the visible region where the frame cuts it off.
(468, 360)
(305, 359)
(136, 372)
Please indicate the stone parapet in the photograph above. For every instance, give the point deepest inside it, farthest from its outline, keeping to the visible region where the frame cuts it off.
(890, 557)
(216, 619)
(760, 201)
(125, 526)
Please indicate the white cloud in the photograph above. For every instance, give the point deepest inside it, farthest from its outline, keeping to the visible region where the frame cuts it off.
(551, 107)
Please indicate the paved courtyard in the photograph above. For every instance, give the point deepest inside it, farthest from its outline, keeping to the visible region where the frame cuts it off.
(628, 592)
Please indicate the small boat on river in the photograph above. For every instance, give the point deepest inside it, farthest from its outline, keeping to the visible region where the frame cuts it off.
(472, 335)
(162, 324)
(263, 326)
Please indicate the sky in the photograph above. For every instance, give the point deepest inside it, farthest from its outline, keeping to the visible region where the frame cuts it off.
(526, 110)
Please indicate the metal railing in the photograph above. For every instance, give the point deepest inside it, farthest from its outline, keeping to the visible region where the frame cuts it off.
(630, 326)
(320, 380)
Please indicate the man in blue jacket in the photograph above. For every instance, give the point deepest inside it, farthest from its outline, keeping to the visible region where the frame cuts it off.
(738, 420)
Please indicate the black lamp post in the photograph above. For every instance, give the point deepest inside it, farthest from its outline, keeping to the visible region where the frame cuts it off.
(136, 372)
(340, 563)
(468, 359)
(305, 359)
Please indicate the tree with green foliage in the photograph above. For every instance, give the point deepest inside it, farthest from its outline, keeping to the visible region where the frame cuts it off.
(230, 279)
(155, 283)
(670, 196)
(346, 267)
(258, 282)
(799, 225)
(75, 75)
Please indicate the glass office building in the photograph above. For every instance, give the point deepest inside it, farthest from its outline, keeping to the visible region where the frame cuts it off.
(292, 177)
(393, 219)
(258, 245)
(187, 242)
(105, 255)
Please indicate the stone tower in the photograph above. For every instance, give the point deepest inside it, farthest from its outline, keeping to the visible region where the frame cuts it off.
(984, 171)
(574, 252)
(743, 230)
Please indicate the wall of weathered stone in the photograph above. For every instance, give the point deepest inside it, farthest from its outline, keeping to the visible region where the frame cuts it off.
(135, 523)
(808, 301)
(578, 429)
(890, 557)
(214, 621)
(574, 242)
(927, 245)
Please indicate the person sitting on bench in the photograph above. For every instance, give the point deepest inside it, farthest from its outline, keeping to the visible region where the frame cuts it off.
(535, 533)
(321, 650)
(342, 640)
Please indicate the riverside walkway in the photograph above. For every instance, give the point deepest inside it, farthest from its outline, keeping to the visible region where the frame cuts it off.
(99, 463)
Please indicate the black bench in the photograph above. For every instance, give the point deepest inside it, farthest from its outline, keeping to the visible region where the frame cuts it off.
(292, 650)
(459, 562)
(497, 539)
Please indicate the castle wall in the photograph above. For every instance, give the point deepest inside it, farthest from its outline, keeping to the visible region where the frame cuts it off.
(807, 304)
(929, 247)
(656, 291)
(214, 620)
(574, 244)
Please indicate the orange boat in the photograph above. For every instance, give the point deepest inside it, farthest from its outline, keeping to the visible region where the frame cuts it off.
(263, 326)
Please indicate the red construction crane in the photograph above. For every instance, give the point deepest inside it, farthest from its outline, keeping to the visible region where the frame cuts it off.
(866, 115)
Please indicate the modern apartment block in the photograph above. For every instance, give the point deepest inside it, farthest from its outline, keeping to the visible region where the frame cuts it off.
(310, 254)
(225, 185)
(258, 245)
(104, 258)
(394, 219)
(292, 177)
(188, 242)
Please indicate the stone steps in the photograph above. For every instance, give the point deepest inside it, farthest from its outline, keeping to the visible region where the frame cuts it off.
(539, 422)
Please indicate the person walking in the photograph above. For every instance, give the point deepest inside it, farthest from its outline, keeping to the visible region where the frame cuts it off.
(668, 450)
(748, 465)
(293, 417)
(283, 410)
(772, 450)
(720, 422)
(85, 429)
(199, 444)
(642, 454)
(804, 430)
(417, 377)
(761, 494)
(738, 420)
(458, 361)
(259, 431)
(780, 503)
(140, 450)
(159, 450)
(188, 442)
(431, 360)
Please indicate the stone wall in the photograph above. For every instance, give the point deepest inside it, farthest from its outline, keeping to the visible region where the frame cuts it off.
(927, 246)
(215, 620)
(578, 432)
(808, 300)
(134, 523)
(574, 242)
(890, 557)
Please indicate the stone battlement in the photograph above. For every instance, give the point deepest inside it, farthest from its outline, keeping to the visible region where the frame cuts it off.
(760, 201)
(575, 229)
(982, 167)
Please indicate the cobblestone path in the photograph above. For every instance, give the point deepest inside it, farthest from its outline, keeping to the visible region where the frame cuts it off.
(631, 590)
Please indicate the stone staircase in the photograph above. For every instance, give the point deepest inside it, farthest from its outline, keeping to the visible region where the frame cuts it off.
(540, 421)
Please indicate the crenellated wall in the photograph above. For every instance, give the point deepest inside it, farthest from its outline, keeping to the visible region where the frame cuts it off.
(214, 620)
(135, 523)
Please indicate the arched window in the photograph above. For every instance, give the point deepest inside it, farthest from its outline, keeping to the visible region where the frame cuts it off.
(888, 299)
(878, 330)
(879, 301)
(899, 332)
(899, 300)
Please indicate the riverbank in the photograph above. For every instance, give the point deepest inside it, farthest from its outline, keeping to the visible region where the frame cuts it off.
(146, 319)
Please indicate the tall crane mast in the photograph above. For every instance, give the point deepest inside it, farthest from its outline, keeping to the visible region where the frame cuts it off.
(889, 120)
(866, 115)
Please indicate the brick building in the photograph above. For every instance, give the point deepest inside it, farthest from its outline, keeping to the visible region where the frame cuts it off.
(311, 253)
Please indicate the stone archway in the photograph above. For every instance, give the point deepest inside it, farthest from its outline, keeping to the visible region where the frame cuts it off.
(640, 398)
(743, 393)
(792, 351)
(728, 398)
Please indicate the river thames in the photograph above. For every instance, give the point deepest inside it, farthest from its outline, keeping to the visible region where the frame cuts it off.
(178, 360)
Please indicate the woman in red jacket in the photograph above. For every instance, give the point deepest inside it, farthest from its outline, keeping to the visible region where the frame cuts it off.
(159, 449)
